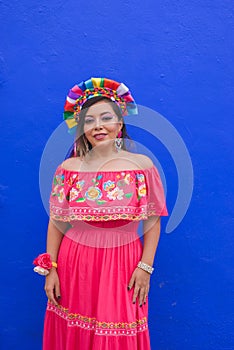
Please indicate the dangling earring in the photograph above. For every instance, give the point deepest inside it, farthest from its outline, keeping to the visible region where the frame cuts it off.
(75, 150)
(118, 142)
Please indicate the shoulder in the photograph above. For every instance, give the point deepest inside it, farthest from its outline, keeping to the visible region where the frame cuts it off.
(142, 161)
(71, 163)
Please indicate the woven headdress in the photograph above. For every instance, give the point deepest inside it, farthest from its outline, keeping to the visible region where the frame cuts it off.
(80, 93)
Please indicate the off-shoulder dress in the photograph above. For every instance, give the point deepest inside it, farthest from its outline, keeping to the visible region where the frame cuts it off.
(97, 257)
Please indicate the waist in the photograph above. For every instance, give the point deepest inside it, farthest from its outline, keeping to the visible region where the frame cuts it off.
(103, 234)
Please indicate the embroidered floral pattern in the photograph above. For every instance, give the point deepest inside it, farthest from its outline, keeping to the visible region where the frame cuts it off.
(140, 177)
(80, 184)
(142, 190)
(116, 193)
(72, 179)
(95, 190)
(108, 185)
(73, 194)
(58, 192)
(93, 193)
(61, 195)
(59, 180)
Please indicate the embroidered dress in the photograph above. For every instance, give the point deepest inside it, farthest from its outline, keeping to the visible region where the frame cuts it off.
(97, 257)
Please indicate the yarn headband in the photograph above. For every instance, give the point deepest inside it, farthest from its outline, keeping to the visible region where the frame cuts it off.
(80, 93)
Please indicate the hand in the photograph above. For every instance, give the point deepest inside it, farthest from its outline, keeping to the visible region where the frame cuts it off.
(52, 288)
(141, 281)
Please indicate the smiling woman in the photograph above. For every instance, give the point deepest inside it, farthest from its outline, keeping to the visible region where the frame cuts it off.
(99, 277)
(99, 119)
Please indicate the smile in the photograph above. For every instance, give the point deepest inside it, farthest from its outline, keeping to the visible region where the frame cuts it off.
(99, 136)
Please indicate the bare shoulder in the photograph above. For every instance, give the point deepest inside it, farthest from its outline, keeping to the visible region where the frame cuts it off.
(71, 163)
(142, 161)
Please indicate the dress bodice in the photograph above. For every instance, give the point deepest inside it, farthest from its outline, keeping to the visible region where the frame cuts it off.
(106, 195)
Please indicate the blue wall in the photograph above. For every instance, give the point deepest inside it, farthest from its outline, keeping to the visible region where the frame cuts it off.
(177, 58)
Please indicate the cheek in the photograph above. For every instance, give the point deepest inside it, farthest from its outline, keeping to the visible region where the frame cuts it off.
(87, 129)
(112, 128)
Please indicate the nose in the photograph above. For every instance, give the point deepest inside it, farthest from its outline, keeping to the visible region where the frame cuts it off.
(98, 123)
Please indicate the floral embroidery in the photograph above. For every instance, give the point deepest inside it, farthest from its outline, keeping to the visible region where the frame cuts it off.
(116, 193)
(72, 179)
(73, 194)
(58, 192)
(142, 190)
(108, 185)
(128, 179)
(59, 180)
(116, 188)
(93, 193)
(61, 195)
(80, 185)
(55, 190)
(140, 177)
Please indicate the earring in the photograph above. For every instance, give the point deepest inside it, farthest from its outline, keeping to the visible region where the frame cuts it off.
(75, 150)
(118, 142)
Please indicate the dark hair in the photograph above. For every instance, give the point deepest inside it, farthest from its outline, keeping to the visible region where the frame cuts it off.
(82, 145)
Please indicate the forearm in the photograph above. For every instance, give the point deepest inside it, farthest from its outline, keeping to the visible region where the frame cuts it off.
(54, 239)
(151, 239)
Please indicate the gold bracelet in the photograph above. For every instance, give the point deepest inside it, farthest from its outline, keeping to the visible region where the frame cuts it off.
(54, 264)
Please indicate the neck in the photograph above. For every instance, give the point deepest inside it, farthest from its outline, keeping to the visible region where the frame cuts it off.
(102, 152)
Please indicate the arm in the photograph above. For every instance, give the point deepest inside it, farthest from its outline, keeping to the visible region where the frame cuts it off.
(54, 239)
(151, 237)
(140, 278)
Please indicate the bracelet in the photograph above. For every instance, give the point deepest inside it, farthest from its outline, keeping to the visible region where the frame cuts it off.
(145, 267)
(44, 264)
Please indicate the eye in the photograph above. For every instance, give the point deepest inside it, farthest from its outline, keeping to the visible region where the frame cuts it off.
(88, 120)
(107, 118)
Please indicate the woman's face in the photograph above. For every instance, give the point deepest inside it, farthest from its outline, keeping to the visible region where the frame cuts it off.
(101, 124)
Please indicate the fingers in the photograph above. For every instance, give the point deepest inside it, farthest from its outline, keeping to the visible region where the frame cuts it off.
(140, 281)
(131, 282)
(57, 291)
(146, 294)
(141, 293)
(142, 296)
(52, 289)
(135, 294)
(50, 295)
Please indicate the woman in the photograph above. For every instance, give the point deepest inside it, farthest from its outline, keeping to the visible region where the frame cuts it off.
(99, 271)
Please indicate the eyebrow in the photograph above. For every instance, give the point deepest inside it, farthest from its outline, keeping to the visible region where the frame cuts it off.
(89, 115)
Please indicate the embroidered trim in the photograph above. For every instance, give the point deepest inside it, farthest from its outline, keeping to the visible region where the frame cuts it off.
(103, 214)
(100, 328)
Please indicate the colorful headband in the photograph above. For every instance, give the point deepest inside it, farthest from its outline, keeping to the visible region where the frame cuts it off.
(79, 94)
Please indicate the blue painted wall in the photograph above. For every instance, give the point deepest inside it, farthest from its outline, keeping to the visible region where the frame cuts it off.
(177, 58)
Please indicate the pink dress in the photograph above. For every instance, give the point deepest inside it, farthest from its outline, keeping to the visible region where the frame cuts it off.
(97, 257)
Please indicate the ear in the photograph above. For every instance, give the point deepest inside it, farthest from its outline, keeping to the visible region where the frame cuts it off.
(120, 125)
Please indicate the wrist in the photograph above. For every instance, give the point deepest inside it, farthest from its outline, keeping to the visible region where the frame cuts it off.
(144, 266)
(44, 264)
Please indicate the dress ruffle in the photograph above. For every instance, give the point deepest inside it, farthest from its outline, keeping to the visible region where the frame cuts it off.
(106, 195)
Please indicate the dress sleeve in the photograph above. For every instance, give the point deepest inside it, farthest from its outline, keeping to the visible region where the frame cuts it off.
(59, 203)
(156, 203)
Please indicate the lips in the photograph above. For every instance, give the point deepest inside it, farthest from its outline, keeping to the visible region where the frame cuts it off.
(100, 136)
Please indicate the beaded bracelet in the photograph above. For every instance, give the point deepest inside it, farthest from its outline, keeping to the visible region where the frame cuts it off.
(145, 267)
